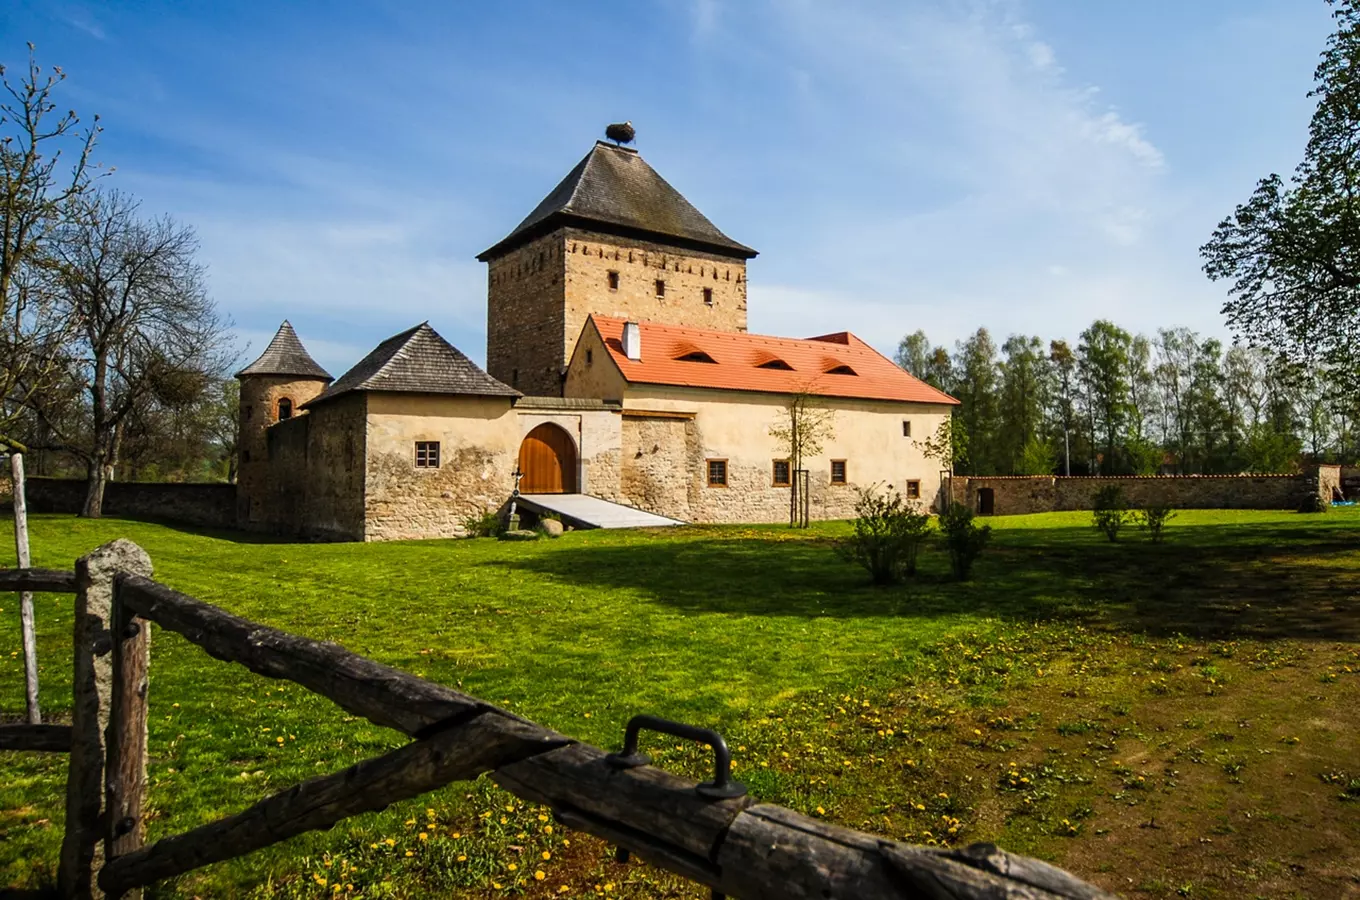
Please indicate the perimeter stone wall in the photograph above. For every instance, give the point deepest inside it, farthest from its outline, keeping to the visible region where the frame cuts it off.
(1019, 495)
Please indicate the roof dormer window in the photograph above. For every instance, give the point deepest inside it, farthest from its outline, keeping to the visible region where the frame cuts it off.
(841, 369)
(698, 356)
(775, 364)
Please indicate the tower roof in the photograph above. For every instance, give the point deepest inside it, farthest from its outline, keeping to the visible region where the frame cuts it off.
(614, 190)
(285, 355)
(417, 361)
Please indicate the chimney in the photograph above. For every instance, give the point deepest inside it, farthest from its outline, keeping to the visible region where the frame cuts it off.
(632, 340)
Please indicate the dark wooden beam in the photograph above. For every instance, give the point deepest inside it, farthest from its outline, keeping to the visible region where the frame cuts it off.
(460, 753)
(45, 738)
(40, 581)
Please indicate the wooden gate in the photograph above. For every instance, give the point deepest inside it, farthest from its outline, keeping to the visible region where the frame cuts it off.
(547, 460)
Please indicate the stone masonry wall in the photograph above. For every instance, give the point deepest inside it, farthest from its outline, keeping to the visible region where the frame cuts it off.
(336, 451)
(260, 395)
(540, 295)
(1020, 495)
(524, 316)
(640, 265)
(207, 505)
(479, 441)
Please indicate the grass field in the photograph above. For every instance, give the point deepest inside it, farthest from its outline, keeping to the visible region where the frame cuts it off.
(1164, 720)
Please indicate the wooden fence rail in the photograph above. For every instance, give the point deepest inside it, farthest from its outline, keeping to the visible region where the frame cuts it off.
(734, 845)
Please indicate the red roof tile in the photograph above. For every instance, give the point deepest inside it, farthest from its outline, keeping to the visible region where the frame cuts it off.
(738, 358)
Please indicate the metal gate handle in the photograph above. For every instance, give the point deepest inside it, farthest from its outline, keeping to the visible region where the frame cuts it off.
(722, 787)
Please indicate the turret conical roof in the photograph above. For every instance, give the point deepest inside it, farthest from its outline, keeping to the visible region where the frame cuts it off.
(285, 355)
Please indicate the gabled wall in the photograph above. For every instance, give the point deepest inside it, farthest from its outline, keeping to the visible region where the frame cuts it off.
(479, 441)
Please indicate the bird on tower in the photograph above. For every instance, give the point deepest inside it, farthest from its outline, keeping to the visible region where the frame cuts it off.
(620, 132)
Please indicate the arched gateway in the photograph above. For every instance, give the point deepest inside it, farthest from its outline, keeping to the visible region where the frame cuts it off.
(547, 460)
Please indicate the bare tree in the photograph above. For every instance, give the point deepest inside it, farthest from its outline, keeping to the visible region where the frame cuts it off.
(36, 197)
(147, 328)
(802, 431)
(39, 194)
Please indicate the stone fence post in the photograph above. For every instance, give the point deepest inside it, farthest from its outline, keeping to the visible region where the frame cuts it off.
(82, 853)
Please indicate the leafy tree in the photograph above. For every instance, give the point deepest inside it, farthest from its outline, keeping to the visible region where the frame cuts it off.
(1103, 361)
(1037, 458)
(913, 354)
(948, 446)
(976, 390)
(1024, 391)
(1064, 366)
(1291, 253)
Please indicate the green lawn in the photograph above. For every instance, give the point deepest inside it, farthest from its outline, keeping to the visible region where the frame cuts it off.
(1175, 719)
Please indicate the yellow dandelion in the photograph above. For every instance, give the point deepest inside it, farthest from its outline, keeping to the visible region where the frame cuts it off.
(513, 866)
(539, 876)
(424, 836)
(547, 829)
(547, 855)
(462, 858)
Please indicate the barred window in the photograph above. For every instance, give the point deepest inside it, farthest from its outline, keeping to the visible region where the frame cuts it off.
(427, 454)
(781, 473)
(913, 490)
(906, 428)
(717, 473)
(838, 471)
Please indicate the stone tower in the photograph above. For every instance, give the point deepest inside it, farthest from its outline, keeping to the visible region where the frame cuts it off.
(273, 388)
(612, 238)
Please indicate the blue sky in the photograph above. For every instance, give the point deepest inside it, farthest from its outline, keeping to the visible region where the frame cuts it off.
(1028, 165)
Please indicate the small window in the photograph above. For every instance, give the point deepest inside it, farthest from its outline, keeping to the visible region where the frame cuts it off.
(514, 377)
(250, 412)
(838, 471)
(427, 454)
(775, 364)
(708, 296)
(913, 490)
(660, 288)
(841, 370)
(906, 428)
(613, 281)
(717, 473)
(781, 473)
(698, 356)
(590, 357)
(245, 456)
(285, 408)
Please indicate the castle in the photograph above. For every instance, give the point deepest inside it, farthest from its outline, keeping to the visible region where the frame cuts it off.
(619, 367)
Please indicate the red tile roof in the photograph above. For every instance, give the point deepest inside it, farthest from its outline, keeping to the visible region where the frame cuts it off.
(741, 363)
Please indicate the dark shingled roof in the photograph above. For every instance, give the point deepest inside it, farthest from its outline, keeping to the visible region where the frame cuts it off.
(419, 361)
(285, 355)
(614, 190)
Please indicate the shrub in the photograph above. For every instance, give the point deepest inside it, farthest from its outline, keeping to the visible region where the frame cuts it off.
(1111, 511)
(1154, 519)
(484, 524)
(964, 538)
(888, 535)
(1314, 503)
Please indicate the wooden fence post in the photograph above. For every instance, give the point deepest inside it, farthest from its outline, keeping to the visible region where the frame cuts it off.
(26, 625)
(125, 760)
(91, 687)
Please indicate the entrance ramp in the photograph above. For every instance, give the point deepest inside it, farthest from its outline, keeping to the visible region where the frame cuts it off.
(585, 511)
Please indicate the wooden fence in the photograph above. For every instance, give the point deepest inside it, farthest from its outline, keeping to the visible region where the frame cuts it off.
(734, 844)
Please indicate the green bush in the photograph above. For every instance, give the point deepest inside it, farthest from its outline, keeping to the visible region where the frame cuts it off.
(1314, 503)
(1111, 511)
(484, 524)
(964, 538)
(888, 535)
(1154, 518)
